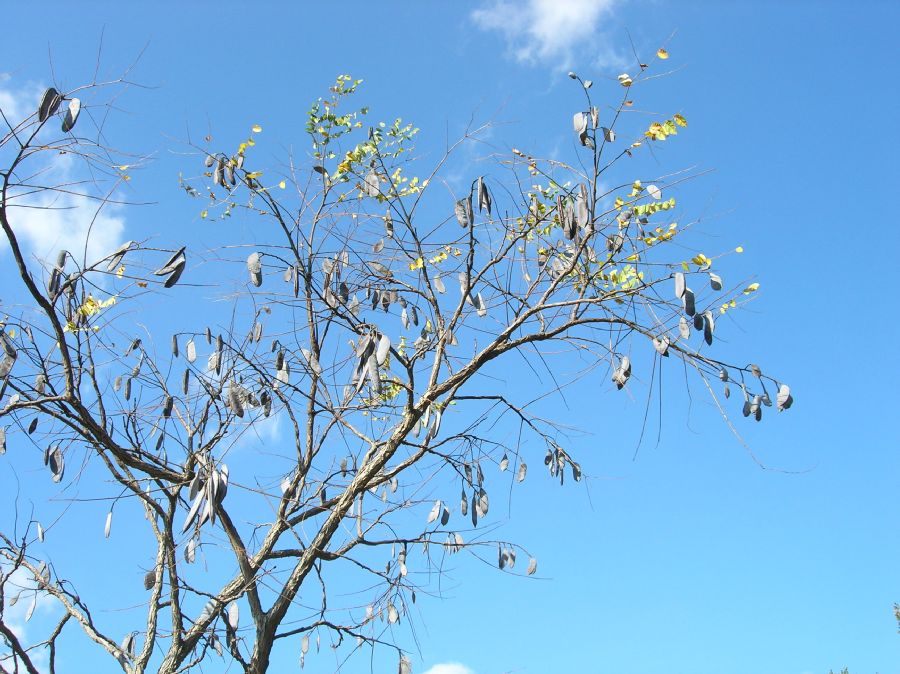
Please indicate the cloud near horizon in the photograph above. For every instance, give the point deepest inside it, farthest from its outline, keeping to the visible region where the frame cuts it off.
(550, 31)
(449, 668)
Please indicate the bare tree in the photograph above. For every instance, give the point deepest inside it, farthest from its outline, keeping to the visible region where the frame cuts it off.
(363, 320)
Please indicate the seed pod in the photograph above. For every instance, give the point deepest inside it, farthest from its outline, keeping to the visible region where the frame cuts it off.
(71, 115)
(49, 104)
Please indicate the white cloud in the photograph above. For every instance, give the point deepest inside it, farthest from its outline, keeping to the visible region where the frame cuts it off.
(22, 587)
(50, 220)
(449, 668)
(16, 104)
(551, 31)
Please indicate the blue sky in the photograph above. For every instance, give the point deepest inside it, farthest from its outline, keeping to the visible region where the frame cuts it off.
(690, 559)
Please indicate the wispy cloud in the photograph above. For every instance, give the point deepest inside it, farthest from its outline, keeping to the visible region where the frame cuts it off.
(29, 601)
(449, 668)
(49, 220)
(551, 31)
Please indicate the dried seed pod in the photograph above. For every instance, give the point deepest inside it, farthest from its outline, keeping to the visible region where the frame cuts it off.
(49, 104)
(71, 115)
(254, 267)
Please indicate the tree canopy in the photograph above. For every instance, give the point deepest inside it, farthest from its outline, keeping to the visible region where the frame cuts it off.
(371, 320)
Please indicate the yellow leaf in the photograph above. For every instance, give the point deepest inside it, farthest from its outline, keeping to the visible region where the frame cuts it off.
(256, 128)
(684, 265)
(753, 287)
(680, 120)
(142, 284)
(282, 184)
(739, 249)
(619, 202)
(12, 333)
(203, 214)
(123, 167)
(417, 264)
(662, 53)
(625, 80)
(120, 272)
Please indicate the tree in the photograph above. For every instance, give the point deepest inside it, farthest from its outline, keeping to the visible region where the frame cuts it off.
(347, 327)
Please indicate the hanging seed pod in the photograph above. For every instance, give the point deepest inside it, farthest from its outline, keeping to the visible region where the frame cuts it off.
(615, 243)
(49, 104)
(371, 186)
(622, 373)
(784, 399)
(115, 258)
(484, 197)
(582, 214)
(661, 344)
(209, 161)
(234, 401)
(173, 267)
(254, 267)
(579, 123)
(709, 325)
(679, 284)
(688, 299)
(71, 115)
(219, 173)
(463, 212)
(57, 464)
(56, 275)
